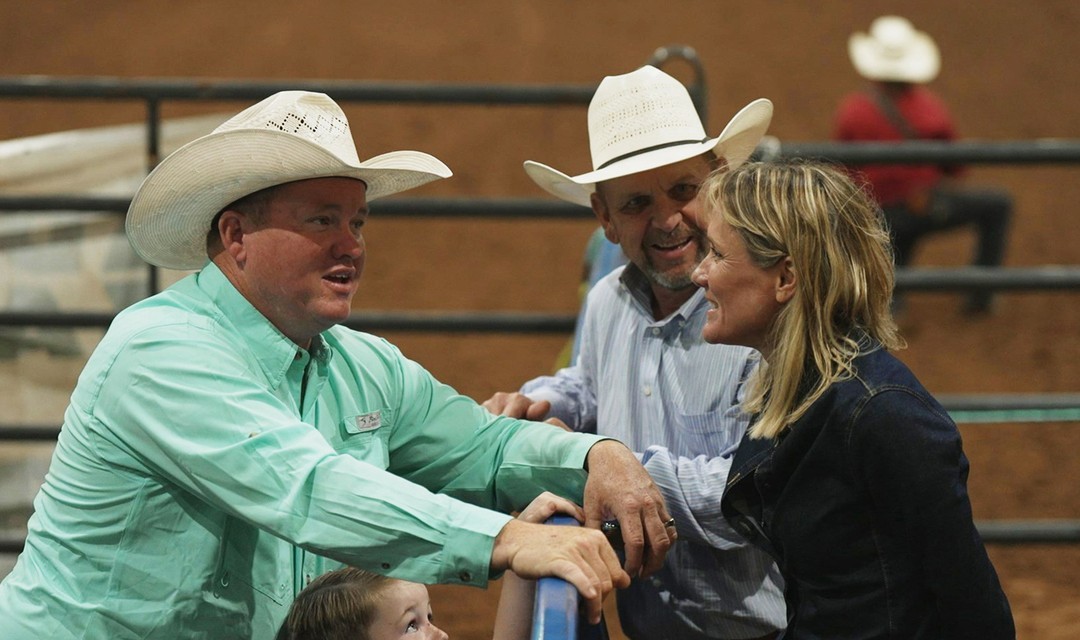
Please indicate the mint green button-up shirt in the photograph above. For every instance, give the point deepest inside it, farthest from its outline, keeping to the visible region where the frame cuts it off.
(208, 468)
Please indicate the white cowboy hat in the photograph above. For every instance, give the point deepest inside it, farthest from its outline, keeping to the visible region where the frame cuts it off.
(894, 51)
(646, 119)
(292, 135)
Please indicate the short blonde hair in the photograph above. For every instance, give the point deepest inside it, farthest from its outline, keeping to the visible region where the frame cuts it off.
(835, 235)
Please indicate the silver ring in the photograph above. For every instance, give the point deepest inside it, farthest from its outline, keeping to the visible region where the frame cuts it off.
(670, 523)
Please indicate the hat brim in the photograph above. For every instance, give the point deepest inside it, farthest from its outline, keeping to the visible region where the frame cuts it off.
(920, 63)
(734, 145)
(170, 215)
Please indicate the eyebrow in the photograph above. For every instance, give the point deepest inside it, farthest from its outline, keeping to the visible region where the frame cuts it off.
(336, 208)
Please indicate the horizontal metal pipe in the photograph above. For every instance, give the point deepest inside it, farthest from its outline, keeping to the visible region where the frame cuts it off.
(1046, 278)
(1029, 531)
(373, 321)
(1018, 152)
(991, 531)
(201, 89)
(1009, 402)
(29, 433)
(511, 208)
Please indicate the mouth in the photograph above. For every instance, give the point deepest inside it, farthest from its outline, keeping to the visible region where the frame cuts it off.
(341, 280)
(672, 247)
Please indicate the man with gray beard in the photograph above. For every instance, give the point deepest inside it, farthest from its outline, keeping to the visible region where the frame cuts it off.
(643, 373)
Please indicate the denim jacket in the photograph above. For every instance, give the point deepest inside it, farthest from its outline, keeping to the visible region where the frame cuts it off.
(863, 504)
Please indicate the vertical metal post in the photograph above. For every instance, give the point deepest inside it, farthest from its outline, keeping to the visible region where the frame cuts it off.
(153, 156)
(698, 91)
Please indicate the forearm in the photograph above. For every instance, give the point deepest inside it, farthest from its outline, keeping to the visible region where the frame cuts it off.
(692, 489)
(542, 457)
(514, 616)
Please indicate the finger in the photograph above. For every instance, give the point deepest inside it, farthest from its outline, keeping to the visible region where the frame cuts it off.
(610, 576)
(594, 608)
(583, 577)
(660, 539)
(515, 405)
(494, 404)
(559, 504)
(536, 411)
(633, 541)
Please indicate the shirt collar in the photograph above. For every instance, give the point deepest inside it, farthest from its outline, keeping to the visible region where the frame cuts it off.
(638, 286)
(251, 328)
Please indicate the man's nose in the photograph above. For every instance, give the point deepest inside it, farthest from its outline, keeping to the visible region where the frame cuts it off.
(349, 243)
(670, 216)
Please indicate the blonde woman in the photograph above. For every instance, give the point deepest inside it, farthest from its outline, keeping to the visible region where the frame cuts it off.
(851, 475)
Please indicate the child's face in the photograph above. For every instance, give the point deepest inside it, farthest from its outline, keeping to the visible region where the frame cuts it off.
(404, 611)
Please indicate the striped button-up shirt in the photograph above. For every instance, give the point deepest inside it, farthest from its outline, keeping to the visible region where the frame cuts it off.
(674, 399)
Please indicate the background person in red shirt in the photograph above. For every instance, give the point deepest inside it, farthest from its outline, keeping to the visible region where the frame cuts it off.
(917, 199)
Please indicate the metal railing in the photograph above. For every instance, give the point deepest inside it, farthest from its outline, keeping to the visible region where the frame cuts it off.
(556, 605)
(152, 92)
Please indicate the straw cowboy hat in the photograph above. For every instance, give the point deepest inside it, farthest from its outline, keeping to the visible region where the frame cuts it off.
(894, 51)
(292, 135)
(646, 119)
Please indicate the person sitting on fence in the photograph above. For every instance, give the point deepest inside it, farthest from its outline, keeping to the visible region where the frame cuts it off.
(354, 604)
(917, 199)
(851, 475)
(643, 374)
(228, 439)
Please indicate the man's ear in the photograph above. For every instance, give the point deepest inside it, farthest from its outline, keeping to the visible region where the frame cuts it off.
(786, 280)
(603, 215)
(230, 228)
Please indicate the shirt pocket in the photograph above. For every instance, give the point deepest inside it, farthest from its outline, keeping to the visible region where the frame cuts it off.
(366, 437)
(716, 433)
(252, 565)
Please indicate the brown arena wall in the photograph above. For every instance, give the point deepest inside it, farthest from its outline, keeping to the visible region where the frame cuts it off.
(1009, 73)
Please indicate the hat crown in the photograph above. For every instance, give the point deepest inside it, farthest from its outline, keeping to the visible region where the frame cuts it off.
(894, 35)
(304, 114)
(640, 110)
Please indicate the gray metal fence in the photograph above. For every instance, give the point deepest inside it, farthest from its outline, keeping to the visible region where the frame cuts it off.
(152, 92)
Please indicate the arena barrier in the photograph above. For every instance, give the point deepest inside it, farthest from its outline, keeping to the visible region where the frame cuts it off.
(555, 610)
(152, 92)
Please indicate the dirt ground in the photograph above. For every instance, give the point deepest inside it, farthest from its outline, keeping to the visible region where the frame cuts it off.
(1008, 72)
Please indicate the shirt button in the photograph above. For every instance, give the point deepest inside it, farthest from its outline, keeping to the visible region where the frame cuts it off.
(647, 390)
(656, 331)
(465, 576)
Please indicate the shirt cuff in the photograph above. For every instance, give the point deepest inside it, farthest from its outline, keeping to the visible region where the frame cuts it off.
(469, 544)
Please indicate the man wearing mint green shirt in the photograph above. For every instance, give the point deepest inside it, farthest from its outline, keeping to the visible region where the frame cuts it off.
(227, 441)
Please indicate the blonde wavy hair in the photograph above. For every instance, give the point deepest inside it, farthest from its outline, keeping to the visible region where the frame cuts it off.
(835, 235)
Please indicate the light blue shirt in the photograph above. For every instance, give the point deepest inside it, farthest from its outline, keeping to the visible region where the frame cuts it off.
(208, 468)
(674, 399)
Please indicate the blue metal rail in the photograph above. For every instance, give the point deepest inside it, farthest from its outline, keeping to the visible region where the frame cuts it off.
(555, 610)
